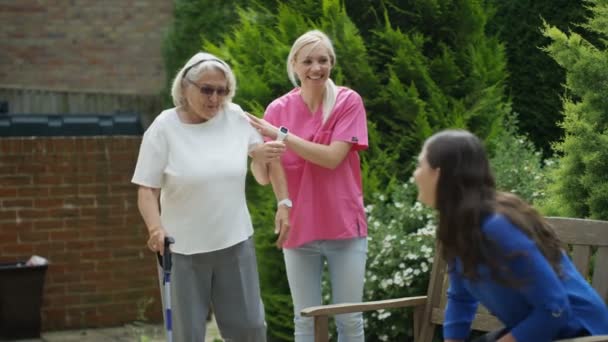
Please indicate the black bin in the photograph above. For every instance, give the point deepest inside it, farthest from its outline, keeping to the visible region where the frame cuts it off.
(20, 300)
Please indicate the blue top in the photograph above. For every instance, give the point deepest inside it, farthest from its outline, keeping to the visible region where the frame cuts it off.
(544, 308)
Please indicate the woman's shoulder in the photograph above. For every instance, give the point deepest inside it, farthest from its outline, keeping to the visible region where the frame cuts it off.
(498, 227)
(348, 97)
(494, 221)
(236, 115)
(234, 109)
(285, 99)
(163, 121)
(347, 92)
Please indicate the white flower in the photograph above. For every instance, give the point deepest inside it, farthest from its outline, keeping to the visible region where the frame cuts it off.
(383, 315)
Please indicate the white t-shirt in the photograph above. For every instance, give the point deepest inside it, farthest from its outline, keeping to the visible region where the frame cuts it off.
(201, 170)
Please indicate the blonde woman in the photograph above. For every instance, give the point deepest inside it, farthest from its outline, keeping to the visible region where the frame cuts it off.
(324, 127)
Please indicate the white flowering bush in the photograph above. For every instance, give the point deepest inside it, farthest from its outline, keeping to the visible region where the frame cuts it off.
(518, 166)
(400, 257)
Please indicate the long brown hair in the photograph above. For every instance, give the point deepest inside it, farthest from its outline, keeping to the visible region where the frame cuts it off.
(465, 194)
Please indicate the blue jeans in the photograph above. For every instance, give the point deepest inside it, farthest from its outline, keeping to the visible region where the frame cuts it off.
(346, 262)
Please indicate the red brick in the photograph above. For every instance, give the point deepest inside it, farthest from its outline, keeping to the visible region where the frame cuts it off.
(63, 212)
(21, 180)
(8, 215)
(64, 190)
(33, 213)
(17, 203)
(53, 250)
(78, 244)
(33, 237)
(82, 288)
(64, 300)
(16, 226)
(30, 168)
(8, 169)
(17, 249)
(49, 224)
(44, 203)
(35, 191)
(48, 179)
(88, 255)
(8, 192)
(66, 236)
(8, 238)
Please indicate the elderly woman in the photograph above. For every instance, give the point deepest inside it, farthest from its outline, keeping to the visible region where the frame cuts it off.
(192, 164)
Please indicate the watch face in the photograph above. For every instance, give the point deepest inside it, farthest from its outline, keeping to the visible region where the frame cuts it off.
(283, 130)
(286, 202)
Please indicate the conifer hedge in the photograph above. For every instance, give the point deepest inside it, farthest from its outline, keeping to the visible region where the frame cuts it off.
(580, 187)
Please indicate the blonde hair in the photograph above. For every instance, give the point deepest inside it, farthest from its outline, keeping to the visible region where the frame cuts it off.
(195, 66)
(315, 37)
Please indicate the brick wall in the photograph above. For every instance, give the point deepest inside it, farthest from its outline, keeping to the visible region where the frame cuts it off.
(70, 200)
(111, 46)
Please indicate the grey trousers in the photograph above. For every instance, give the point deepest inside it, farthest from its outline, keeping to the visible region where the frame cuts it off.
(226, 279)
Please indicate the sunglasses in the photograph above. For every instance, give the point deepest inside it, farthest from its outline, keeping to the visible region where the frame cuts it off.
(210, 90)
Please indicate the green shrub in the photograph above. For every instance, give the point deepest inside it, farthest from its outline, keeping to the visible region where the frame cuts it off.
(517, 165)
(581, 179)
(535, 79)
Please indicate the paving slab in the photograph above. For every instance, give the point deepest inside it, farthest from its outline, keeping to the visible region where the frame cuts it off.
(135, 332)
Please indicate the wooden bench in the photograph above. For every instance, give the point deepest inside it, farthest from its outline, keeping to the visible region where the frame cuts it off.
(584, 237)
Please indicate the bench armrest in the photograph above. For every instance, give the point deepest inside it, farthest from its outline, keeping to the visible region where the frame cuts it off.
(335, 309)
(602, 338)
(321, 313)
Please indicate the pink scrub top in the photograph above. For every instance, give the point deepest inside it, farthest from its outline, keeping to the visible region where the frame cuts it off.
(327, 204)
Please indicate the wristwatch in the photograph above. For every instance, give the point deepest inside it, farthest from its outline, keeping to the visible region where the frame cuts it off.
(282, 133)
(286, 202)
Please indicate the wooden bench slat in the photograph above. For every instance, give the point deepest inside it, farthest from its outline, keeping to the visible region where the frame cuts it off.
(581, 256)
(600, 273)
(579, 231)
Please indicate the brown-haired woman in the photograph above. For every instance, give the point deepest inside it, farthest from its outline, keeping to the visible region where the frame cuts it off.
(500, 251)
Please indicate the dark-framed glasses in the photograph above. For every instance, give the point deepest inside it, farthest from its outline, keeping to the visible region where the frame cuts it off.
(210, 90)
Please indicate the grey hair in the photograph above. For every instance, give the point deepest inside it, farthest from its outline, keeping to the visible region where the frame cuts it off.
(315, 37)
(195, 66)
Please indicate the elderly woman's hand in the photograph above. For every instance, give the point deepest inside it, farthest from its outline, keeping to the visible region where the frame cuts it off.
(156, 240)
(266, 129)
(268, 151)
